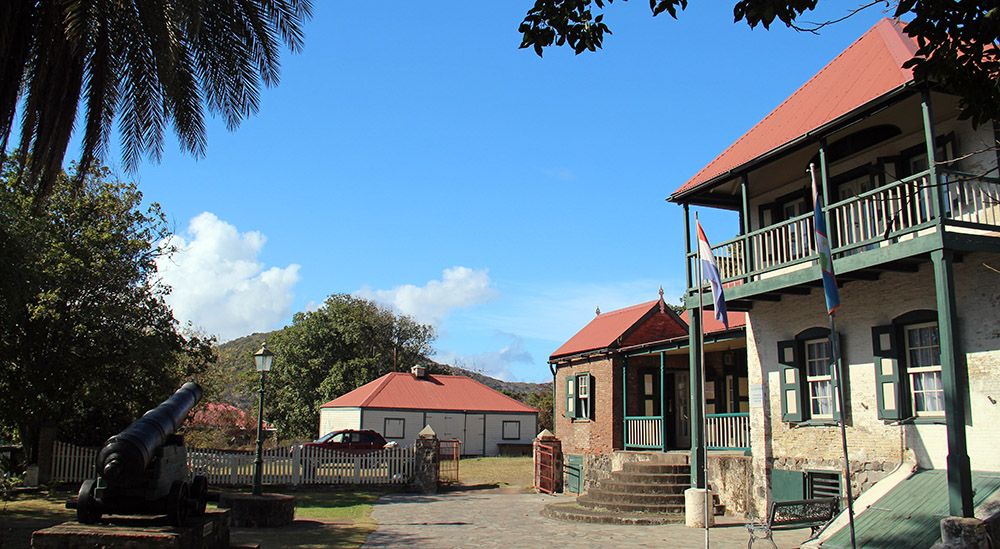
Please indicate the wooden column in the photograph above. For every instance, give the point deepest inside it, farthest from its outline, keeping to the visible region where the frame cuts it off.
(663, 404)
(695, 383)
(624, 402)
(687, 245)
(937, 192)
(745, 226)
(955, 378)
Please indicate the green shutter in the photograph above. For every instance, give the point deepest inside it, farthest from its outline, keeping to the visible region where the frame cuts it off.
(888, 378)
(592, 398)
(792, 402)
(570, 410)
(787, 485)
(844, 384)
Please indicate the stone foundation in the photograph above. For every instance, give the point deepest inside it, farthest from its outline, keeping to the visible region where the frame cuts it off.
(210, 531)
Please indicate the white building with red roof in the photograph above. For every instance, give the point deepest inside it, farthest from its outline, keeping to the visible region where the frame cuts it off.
(398, 405)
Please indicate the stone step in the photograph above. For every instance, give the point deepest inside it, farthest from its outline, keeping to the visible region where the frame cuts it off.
(615, 485)
(636, 497)
(594, 501)
(573, 512)
(651, 478)
(652, 467)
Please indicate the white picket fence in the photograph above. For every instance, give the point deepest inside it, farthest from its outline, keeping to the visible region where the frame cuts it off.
(290, 465)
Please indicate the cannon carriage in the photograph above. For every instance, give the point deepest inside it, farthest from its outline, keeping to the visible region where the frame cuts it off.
(143, 469)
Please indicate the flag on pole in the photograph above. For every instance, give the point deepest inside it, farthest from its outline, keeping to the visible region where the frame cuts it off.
(823, 249)
(710, 271)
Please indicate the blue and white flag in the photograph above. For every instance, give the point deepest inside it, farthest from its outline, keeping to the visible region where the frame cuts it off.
(823, 249)
(710, 272)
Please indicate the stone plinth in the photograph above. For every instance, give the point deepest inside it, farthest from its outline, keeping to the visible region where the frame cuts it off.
(694, 507)
(263, 511)
(209, 531)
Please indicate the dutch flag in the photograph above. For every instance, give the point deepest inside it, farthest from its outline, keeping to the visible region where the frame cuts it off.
(710, 272)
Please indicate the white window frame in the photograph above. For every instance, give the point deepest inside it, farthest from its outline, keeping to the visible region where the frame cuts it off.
(812, 380)
(503, 429)
(583, 396)
(912, 371)
(402, 427)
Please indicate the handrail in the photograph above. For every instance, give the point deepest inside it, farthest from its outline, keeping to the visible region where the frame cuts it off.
(877, 190)
(730, 414)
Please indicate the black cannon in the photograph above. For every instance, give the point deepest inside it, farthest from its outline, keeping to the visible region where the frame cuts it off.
(143, 469)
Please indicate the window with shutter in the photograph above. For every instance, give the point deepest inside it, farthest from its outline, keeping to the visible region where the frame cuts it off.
(583, 400)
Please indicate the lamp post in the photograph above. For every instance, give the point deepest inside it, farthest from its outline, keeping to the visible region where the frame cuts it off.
(262, 360)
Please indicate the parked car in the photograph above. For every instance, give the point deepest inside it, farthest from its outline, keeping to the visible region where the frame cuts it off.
(352, 441)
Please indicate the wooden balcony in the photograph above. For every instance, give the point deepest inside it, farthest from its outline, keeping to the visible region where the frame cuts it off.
(873, 231)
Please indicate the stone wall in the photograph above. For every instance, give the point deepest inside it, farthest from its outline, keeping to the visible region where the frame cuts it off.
(876, 446)
(597, 435)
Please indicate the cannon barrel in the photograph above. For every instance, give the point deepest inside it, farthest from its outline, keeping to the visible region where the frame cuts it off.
(126, 455)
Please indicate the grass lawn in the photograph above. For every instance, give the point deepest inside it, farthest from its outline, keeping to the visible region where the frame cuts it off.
(30, 512)
(323, 518)
(505, 472)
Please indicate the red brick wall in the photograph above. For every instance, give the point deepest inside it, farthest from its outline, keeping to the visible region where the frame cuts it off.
(603, 432)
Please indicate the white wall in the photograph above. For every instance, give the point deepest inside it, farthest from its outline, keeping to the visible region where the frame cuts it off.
(413, 422)
(335, 419)
(494, 430)
(864, 305)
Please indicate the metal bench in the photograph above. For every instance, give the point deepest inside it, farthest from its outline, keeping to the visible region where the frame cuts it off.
(787, 515)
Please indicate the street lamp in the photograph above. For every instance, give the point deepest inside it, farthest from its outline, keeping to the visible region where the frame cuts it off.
(262, 360)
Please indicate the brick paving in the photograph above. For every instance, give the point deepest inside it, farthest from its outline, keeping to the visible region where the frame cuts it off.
(501, 519)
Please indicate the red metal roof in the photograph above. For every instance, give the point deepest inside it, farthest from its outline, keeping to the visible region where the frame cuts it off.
(604, 330)
(868, 69)
(400, 390)
(736, 320)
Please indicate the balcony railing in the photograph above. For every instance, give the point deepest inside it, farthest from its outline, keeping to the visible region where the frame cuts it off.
(643, 432)
(727, 431)
(868, 220)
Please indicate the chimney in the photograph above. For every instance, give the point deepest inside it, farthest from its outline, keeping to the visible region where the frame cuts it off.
(419, 371)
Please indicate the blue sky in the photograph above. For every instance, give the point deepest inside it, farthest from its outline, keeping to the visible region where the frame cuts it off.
(413, 154)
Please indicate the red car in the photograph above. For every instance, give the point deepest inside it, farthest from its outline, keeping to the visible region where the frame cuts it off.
(350, 440)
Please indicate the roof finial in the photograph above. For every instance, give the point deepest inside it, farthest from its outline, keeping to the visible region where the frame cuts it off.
(662, 304)
(597, 312)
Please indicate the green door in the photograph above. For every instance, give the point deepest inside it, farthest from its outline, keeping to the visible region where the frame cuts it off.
(574, 474)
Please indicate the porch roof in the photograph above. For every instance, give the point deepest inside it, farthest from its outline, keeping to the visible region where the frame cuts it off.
(607, 330)
(867, 70)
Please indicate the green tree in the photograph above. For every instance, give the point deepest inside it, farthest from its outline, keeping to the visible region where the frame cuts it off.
(87, 343)
(335, 349)
(146, 63)
(543, 401)
(959, 39)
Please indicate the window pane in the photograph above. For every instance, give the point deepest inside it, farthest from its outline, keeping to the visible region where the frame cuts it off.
(821, 394)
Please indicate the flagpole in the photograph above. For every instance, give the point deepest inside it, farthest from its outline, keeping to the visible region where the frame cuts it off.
(701, 365)
(832, 297)
(835, 347)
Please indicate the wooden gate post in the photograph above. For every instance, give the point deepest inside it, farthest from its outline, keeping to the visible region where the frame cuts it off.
(547, 451)
(426, 473)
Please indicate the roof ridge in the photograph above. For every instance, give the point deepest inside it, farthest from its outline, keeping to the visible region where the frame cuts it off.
(629, 308)
(378, 389)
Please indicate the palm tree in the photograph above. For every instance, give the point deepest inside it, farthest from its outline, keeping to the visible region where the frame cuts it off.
(146, 63)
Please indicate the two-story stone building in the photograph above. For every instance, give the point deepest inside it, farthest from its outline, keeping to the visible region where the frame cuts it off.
(913, 210)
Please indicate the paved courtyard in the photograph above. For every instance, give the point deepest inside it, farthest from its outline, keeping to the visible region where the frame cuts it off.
(494, 518)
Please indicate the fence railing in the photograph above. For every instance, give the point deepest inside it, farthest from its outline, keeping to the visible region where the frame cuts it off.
(727, 431)
(71, 463)
(972, 199)
(449, 454)
(643, 432)
(290, 465)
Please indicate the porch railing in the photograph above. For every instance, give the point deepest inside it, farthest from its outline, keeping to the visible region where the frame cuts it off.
(643, 432)
(727, 431)
(862, 222)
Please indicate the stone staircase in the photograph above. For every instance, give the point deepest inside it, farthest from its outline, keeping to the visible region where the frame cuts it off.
(640, 493)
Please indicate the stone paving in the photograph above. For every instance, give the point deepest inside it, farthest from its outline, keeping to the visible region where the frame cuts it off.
(501, 519)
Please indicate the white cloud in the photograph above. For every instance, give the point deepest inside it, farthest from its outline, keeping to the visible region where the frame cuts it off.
(431, 303)
(496, 364)
(218, 282)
